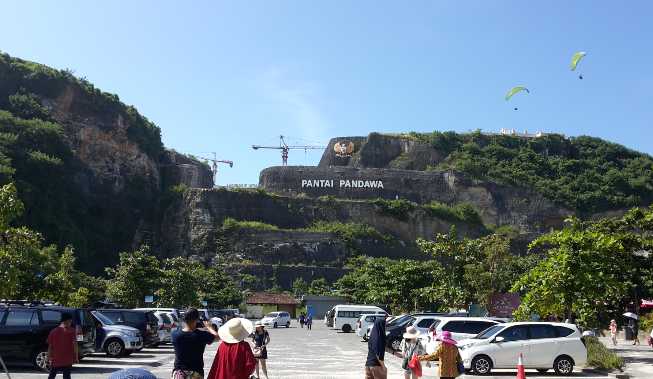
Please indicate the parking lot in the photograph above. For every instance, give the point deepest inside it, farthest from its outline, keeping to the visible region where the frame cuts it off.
(294, 353)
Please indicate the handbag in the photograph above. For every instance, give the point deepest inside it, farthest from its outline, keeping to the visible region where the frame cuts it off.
(258, 352)
(415, 365)
(407, 358)
(461, 368)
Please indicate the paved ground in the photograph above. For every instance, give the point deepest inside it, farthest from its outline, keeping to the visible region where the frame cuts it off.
(294, 353)
(639, 359)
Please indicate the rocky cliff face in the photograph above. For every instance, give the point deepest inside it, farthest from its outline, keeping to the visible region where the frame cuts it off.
(115, 165)
(497, 204)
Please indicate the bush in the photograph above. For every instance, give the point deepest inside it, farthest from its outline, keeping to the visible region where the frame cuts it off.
(462, 212)
(230, 224)
(599, 356)
(399, 208)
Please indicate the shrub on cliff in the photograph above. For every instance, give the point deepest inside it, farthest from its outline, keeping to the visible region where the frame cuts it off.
(399, 208)
(583, 173)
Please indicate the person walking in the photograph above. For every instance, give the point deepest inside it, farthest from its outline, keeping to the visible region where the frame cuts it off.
(633, 324)
(448, 355)
(410, 347)
(234, 358)
(261, 340)
(309, 321)
(301, 320)
(613, 332)
(189, 344)
(62, 347)
(375, 366)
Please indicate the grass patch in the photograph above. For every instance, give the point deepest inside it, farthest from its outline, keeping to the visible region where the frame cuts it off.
(600, 357)
(462, 212)
(230, 224)
(398, 209)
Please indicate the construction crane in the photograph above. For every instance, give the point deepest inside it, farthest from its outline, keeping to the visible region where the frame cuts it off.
(214, 164)
(285, 148)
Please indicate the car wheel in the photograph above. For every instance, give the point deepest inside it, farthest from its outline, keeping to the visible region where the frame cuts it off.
(114, 348)
(542, 370)
(346, 328)
(288, 324)
(365, 338)
(563, 365)
(395, 344)
(481, 365)
(275, 325)
(40, 360)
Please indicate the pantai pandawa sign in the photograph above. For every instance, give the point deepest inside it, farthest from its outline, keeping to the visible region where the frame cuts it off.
(342, 183)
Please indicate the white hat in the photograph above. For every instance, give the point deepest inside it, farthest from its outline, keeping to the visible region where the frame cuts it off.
(411, 332)
(258, 323)
(235, 330)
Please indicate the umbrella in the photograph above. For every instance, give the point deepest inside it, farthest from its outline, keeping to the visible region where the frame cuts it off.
(132, 373)
(631, 315)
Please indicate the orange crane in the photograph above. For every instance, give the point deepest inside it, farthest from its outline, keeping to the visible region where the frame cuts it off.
(285, 148)
(214, 165)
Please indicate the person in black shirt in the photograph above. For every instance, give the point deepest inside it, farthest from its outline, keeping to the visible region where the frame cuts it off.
(189, 344)
(374, 366)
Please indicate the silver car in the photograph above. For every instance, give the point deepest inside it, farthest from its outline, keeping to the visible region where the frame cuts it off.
(116, 340)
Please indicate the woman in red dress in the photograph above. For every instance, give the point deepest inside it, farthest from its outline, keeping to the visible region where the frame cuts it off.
(234, 358)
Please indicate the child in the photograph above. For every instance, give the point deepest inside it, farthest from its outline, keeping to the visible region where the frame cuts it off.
(613, 332)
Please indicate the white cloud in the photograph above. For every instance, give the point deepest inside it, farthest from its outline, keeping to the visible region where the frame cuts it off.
(299, 100)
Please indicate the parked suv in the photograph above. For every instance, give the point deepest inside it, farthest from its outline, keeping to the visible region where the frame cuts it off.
(116, 340)
(24, 332)
(544, 345)
(276, 319)
(144, 321)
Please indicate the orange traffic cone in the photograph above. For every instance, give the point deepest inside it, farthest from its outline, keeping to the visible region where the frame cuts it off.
(521, 374)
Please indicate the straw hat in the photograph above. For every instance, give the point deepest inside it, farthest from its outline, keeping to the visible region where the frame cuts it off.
(411, 332)
(235, 330)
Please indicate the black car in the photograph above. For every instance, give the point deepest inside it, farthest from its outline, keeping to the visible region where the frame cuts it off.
(145, 321)
(24, 332)
(395, 331)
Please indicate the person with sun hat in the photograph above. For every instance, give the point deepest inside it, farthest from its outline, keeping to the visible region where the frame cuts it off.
(234, 358)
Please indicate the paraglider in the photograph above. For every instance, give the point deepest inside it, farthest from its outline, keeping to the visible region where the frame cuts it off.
(515, 90)
(575, 60)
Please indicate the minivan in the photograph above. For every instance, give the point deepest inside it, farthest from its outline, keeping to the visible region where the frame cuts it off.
(24, 332)
(345, 316)
(276, 319)
(543, 346)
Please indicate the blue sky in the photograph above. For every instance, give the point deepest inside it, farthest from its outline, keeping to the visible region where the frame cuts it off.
(223, 75)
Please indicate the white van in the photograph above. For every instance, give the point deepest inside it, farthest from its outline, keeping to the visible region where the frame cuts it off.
(346, 316)
(543, 345)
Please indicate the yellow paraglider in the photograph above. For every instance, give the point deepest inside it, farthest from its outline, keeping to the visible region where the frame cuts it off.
(575, 60)
(514, 90)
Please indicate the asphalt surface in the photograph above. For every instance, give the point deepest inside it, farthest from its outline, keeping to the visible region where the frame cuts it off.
(293, 353)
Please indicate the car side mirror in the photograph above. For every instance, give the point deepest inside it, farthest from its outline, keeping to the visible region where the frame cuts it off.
(499, 339)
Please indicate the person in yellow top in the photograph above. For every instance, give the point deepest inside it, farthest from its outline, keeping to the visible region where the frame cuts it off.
(448, 355)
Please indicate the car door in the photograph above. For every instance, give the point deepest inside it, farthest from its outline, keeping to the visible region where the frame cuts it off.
(423, 324)
(515, 342)
(456, 328)
(3, 334)
(544, 345)
(20, 333)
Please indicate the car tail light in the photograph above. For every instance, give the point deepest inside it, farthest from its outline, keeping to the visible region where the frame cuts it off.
(79, 333)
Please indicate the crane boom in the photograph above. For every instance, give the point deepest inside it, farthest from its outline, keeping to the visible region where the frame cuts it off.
(214, 166)
(285, 148)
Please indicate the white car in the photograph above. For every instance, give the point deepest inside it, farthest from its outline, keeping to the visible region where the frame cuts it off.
(365, 322)
(543, 345)
(276, 319)
(461, 328)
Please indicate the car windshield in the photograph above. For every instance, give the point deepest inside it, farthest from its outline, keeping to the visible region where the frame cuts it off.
(271, 315)
(489, 332)
(103, 319)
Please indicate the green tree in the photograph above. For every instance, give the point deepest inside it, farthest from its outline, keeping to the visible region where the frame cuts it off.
(299, 287)
(591, 268)
(180, 283)
(319, 286)
(137, 275)
(219, 290)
